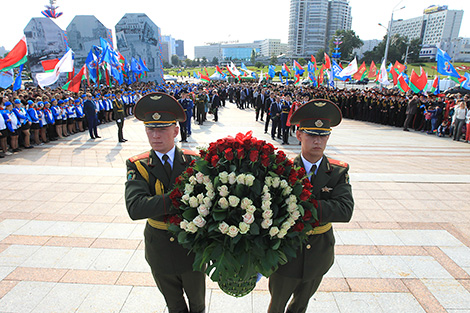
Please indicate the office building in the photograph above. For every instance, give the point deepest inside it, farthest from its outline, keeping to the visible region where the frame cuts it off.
(272, 47)
(137, 36)
(312, 23)
(180, 49)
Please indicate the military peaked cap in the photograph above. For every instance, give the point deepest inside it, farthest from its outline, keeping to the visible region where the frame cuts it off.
(316, 117)
(159, 110)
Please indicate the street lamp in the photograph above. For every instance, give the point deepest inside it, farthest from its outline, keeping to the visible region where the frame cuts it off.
(389, 30)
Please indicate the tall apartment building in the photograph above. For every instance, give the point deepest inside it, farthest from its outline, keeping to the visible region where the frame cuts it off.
(312, 23)
(270, 47)
(437, 27)
(180, 48)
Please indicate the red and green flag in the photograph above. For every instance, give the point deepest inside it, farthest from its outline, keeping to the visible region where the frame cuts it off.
(16, 57)
(372, 70)
(394, 73)
(418, 83)
(49, 65)
(74, 84)
(219, 70)
(360, 71)
(400, 67)
(327, 61)
(435, 85)
(402, 83)
(286, 68)
(314, 61)
(297, 82)
(204, 77)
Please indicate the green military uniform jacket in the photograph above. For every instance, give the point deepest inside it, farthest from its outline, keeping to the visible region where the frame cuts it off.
(335, 204)
(147, 196)
(118, 110)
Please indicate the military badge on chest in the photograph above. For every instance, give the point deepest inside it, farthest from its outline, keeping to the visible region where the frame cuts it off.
(130, 175)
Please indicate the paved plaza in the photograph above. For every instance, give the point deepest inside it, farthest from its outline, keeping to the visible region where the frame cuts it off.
(68, 245)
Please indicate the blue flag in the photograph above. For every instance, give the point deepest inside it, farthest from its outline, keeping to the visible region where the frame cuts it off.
(136, 67)
(311, 67)
(142, 64)
(272, 71)
(18, 81)
(444, 67)
(243, 67)
(465, 84)
(280, 77)
(336, 70)
(284, 72)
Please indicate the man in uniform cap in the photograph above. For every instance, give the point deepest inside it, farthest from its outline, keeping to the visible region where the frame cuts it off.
(150, 178)
(301, 276)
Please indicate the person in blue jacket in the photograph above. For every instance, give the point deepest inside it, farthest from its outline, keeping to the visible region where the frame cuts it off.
(25, 120)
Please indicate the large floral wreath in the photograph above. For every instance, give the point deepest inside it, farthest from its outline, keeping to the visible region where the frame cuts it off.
(245, 209)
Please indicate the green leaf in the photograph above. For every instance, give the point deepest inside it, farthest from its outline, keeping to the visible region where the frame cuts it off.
(297, 190)
(254, 229)
(240, 190)
(216, 183)
(182, 237)
(233, 168)
(276, 244)
(219, 216)
(256, 188)
(190, 214)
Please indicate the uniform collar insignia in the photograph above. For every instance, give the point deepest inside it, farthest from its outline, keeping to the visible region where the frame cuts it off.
(326, 189)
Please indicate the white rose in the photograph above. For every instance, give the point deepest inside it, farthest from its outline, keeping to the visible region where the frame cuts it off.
(223, 191)
(276, 182)
(209, 186)
(273, 231)
(210, 194)
(191, 228)
(223, 227)
(291, 207)
(233, 201)
(285, 225)
(199, 177)
(206, 180)
(266, 223)
(199, 221)
(265, 205)
(193, 202)
(292, 199)
(245, 203)
(291, 221)
(295, 215)
(188, 189)
(200, 198)
(192, 180)
(223, 177)
(203, 210)
(207, 202)
(185, 198)
(223, 203)
(268, 181)
(287, 191)
(265, 189)
(282, 233)
(267, 214)
(232, 231)
(241, 179)
(244, 227)
(249, 180)
(251, 209)
(248, 218)
(284, 184)
(266, 196)
(232, 178)
(184, 224)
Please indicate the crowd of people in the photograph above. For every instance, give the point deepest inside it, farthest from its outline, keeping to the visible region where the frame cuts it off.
(34, 116)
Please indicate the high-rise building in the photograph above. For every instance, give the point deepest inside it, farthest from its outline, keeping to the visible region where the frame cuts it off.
(272, 47)
(137, 36)
(436, 28)
(180, 48)
(45, 40)
(83, 32)
(312, 23)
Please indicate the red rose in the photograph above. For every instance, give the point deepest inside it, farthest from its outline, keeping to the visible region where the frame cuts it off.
(214, 160)
(279, 170)
(289, 162)
(315, 202)
(190, 171)
(220, 143)
(265, 160)
(175, 194)
(280, 157)
(202, 153)
(178, 180)
(254, 155)
(307, 216)
(317, 223)
(305, 195)
(298, 227)
(301, 172)
(228, 154)
(292, 179)
(192, 162)
(240, 153)
(212, 147)
(267, 148)
(307, 185)
(175, 219)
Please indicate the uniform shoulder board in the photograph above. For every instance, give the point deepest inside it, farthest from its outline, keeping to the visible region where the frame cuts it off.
(190, 152)
(141, 156)
(338, 162)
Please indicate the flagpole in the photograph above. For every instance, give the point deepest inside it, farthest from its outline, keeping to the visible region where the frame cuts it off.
(389, 31)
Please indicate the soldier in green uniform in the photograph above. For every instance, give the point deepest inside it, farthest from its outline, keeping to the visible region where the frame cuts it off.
(301, 276)
(150, 178)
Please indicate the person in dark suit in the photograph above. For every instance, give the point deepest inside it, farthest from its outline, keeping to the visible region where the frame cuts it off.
(267, 108)
(301, 276)
(118, 110)
(259, 105)
(411, 110)
(215, 104)
(150, 178)
(90, 111)
(275, 112)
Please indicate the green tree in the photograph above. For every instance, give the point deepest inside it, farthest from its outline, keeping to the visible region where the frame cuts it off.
(350, 42)
(166, 64)
(175, 60)
(215, 61)
(413, 51)
(253, 56)
(204, 61)
(396, 50)
(302, 61)
(259, 64)
(273, 60)
(320, 56)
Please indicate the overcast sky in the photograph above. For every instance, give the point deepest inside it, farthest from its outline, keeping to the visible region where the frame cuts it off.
(197, 22)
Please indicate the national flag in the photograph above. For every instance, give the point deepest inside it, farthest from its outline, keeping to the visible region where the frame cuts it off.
(383, 75)
(311, 77)
(18, 81)
(298, 68)
(297, 82)
(458, 80)
(466, 83)
(219, 70)
(16, 57)
(400, 67)
(327, 61)
(360, 71)
(284, 71)
(232, 69)
(74, 84)
(6, 78)
(321, 75)
(49, 65)
(349, 70)
(444, 67)
(402, 83)
(394, 73)
(314, 61)
(65, 65)
(136, 67)
(336, 69)
(144, 67)
(372, 70)
(435, 86)
(286, 68)
(418, 83)
(280, 77)
(267, 76)
(272, 71)
(204, 77)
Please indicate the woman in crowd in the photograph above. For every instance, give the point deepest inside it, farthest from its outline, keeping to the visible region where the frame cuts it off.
(25, 121)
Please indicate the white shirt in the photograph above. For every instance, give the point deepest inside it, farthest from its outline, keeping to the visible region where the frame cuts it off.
(309, 165)
(170, 154)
